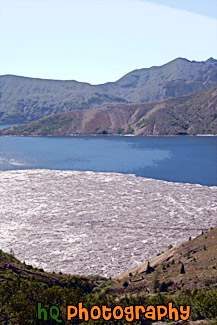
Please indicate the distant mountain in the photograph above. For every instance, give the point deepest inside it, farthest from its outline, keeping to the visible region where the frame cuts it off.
(190, 114)
(25, 99)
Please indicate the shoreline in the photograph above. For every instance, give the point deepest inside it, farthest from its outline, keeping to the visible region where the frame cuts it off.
(8, 126)
(111, 135)
(100, 172)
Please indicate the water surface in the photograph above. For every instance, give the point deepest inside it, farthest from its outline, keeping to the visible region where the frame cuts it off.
(178, 159)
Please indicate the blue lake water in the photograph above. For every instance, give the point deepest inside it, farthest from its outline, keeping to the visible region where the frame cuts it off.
(177, 159)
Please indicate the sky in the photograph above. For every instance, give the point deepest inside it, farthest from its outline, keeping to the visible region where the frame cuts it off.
(97, 41)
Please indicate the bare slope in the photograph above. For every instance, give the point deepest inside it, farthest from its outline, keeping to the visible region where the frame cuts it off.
(195, 113)
(198, 256)
(26, 99)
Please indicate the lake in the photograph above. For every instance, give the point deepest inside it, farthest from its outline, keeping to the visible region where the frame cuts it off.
(188, 159)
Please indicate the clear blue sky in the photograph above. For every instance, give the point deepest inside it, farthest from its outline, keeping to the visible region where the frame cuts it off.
(101, 40)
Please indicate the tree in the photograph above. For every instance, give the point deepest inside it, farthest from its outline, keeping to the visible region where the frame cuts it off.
(163, 287)
(182, 269)
(155, 283)
(125, 284)
(149, 268)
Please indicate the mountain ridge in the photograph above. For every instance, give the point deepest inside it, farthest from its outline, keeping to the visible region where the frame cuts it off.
(185, 115)
(211, 59)
(25, 99)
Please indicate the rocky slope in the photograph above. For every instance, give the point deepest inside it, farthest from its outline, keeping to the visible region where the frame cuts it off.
(26, 99)
(190, 114)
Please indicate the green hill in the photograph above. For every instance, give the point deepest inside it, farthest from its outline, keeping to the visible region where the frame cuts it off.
(186, 115)
(25, 99)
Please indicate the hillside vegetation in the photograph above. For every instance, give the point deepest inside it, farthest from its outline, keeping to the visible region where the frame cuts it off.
(186, 115)
(184, 275)
(25, 99)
